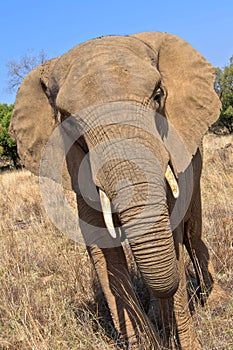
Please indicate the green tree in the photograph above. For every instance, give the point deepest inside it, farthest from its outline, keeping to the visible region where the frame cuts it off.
(8, 148)
(224, 88)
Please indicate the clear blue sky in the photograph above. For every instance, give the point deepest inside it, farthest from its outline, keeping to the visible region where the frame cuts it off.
(56, 26)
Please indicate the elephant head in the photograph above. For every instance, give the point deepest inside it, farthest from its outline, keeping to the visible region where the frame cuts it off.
(113, 86)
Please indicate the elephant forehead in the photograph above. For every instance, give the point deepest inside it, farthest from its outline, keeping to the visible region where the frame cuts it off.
(106, 73)
(116, 73)
(112, 45)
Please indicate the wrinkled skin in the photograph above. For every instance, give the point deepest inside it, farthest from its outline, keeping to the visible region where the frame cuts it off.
(122, 82)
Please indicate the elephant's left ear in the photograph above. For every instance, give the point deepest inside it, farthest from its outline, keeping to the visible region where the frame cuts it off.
(192, 104)
(33, 118)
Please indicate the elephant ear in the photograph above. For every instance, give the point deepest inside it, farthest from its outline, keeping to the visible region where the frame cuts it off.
(33, 121)
(192, 104)
(33, 117)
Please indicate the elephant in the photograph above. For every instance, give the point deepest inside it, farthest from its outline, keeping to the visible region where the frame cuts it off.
(137, 108)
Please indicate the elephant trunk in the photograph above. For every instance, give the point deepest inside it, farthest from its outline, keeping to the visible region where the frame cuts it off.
(138, 196)
(145, 222)
(128, 163)
(154, 254)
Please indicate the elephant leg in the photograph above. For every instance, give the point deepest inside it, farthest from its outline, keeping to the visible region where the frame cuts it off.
(112, 271)
(178, 328)
(186, 336)
(110, 265)
(208, 290)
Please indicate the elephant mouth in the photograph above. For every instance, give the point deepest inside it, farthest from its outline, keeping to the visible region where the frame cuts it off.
(107, 208)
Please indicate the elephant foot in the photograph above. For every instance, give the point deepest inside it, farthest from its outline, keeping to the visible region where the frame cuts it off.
(139, 344)
(181, 341)
(187, 345)
(125, 342)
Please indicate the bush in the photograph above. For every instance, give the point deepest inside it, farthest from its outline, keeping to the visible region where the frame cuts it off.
(224, 88)
(8, 149)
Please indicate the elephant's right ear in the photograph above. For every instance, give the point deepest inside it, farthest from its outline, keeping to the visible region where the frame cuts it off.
(192, 104)
(33, 119)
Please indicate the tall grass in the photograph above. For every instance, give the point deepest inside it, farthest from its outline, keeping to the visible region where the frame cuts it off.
(47, 284)
(215, 324)
(46, 287)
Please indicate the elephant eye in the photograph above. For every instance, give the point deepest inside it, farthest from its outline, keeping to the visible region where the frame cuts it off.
(158, 95)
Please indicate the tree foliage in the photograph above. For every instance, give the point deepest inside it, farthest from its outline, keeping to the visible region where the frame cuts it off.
(8, 148)
(224, 88)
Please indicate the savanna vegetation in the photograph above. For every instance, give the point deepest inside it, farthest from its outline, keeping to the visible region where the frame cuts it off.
(8, 149)
(224, 88)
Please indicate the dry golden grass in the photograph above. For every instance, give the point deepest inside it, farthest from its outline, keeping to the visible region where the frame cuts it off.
(47, 285)
(215, 326)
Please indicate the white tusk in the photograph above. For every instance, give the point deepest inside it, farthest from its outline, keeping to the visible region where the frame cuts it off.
(170, 177)
(107, 212)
